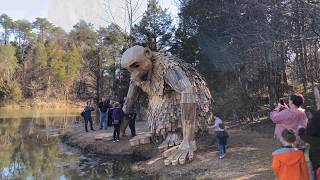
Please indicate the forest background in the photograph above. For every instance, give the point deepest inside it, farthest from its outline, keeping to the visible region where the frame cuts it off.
(251, 53)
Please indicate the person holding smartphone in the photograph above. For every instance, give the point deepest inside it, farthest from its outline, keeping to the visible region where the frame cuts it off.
(86, 113)
(290, 115)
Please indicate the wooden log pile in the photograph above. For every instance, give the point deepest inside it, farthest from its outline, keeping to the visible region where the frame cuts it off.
(141, 139)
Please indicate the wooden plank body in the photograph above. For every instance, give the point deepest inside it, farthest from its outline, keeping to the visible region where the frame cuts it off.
(141, 139)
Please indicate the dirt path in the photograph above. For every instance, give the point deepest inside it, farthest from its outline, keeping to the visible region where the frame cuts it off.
(248, 155)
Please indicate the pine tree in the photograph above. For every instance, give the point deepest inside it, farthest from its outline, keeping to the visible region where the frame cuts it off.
(8, 62)
(10, 88)
(8, 25)
(155, 29)
(23, 36)
(73, 62)
(43, 26)
(40, 72)
(40, 56)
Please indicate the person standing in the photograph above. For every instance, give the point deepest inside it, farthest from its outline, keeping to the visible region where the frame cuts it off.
(117, 116)
(215, 125)
(222, 137)
(288, 162)
(104, 106)
(122, 101)
(132, 123)
(305, 147)
(86, 113)
(292, 117)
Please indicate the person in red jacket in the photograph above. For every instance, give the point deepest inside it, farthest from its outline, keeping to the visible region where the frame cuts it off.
(318, 173)
(288, 162)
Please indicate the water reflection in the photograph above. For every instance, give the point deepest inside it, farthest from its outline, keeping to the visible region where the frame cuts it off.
(30, 148)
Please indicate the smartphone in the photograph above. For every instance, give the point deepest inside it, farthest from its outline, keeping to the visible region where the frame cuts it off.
(281, 101)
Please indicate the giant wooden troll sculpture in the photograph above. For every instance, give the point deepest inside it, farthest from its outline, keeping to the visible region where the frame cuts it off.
(179, 101)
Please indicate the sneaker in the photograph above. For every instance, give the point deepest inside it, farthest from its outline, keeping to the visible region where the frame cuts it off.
(100, 128)
(113, 141)
(118, 140)
(221, 157)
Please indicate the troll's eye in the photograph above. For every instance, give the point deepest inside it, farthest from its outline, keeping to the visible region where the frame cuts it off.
(134, 65)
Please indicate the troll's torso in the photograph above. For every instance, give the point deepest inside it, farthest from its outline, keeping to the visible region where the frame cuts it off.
(164, 109)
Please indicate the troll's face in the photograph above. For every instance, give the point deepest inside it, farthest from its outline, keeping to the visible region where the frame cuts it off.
(137, 60)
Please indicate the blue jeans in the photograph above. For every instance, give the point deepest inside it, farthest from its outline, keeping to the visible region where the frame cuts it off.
(222, 149)
(214, 140)
(103, 120)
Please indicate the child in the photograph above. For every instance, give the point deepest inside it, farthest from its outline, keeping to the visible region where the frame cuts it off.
(288, 162)
(117, 116)
(222, 137)
(215, 125)
(86, 113)
(305, 147)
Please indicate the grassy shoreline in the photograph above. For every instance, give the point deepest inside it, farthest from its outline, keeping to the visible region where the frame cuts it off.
(47, 103)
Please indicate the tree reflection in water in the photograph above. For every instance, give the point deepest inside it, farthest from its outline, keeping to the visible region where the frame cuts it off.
(30, 148)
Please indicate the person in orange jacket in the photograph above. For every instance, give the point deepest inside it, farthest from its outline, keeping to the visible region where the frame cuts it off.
(288, 162)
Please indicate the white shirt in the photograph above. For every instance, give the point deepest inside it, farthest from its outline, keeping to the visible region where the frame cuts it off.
(217, 121)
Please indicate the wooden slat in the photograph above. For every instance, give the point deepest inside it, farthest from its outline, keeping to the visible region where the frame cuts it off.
(170, 151)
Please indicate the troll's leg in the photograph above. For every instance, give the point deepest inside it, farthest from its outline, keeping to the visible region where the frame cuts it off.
(188, 145)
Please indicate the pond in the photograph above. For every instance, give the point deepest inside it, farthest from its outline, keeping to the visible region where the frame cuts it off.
(30, 148)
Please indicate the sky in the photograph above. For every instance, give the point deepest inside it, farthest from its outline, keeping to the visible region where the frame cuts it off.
(66, 13)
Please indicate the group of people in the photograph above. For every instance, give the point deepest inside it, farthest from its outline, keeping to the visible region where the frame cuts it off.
(291, 161)
(110, 114)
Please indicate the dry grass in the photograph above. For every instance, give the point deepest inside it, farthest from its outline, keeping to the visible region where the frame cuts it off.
(46, 103)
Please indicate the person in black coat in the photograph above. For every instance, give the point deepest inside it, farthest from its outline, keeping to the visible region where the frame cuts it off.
(104, 107)
(86, 114)
(132, 123)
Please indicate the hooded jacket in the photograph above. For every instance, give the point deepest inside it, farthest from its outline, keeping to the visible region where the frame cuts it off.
(289, 164)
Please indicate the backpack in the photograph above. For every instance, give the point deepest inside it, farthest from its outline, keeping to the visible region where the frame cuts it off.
(82, 113)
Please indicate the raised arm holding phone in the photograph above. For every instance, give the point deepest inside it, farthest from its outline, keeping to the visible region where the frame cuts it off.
(289, 115)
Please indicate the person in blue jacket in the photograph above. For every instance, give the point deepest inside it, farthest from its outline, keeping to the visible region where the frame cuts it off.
(86, 114)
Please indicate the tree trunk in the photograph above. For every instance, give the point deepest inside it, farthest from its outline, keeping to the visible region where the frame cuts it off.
(317, 97)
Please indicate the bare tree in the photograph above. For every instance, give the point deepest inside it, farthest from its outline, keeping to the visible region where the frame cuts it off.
(132, 13)
(132, 9)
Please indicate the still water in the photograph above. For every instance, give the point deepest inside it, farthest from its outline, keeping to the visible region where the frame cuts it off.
(30, 148)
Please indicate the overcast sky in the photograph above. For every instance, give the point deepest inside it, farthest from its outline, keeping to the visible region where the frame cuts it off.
(65, 13)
